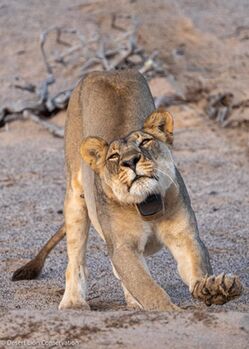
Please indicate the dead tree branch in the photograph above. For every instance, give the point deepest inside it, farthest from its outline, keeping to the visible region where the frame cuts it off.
(52, 128)
(98, 53)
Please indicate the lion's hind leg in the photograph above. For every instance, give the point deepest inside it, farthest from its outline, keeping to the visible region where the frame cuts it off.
(77, 225)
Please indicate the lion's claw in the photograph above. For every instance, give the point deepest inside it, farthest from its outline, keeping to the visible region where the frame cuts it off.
(217, 289)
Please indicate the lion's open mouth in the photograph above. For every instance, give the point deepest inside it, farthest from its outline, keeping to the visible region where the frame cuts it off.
(152, 205)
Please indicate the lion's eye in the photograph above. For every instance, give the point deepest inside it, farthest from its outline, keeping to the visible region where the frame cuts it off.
(145, 142)
(114, 157)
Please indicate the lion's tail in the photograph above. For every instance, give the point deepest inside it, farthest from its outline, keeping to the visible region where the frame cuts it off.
(32, 269)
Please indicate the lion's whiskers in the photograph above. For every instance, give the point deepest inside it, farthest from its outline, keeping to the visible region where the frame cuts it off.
(166, 174)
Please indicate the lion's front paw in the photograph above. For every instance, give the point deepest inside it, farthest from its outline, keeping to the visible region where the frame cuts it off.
(133, 305)
(131, 302)
(73, 303)
(217, 289)
(156, 305)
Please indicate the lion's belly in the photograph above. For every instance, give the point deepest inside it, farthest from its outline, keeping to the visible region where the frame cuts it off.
(152, 246)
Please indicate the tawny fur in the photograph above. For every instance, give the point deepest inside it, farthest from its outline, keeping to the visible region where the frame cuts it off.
(112, 125)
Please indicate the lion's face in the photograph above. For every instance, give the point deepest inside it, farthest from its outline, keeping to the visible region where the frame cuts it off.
(137, 165)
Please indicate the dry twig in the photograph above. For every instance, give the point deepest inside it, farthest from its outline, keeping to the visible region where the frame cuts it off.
(100, 53)
(52, 128)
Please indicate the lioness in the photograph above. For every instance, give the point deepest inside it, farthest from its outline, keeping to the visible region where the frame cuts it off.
(129, 188)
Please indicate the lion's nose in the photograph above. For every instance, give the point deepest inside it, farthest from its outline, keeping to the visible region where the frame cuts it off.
(132, 161)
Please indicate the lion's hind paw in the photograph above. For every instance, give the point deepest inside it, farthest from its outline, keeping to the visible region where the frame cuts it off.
(217, 289)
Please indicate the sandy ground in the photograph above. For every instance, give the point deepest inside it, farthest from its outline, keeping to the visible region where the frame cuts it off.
(213, 162)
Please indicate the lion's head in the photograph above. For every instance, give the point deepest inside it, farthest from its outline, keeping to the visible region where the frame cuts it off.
(137, 165)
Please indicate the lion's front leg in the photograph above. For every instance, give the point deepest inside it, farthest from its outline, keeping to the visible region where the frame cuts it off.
(137, 282)
(181, 236)
(131, 302)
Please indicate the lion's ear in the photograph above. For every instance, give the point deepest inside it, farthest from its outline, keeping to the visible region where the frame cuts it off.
(160, 124)
(93, 151)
